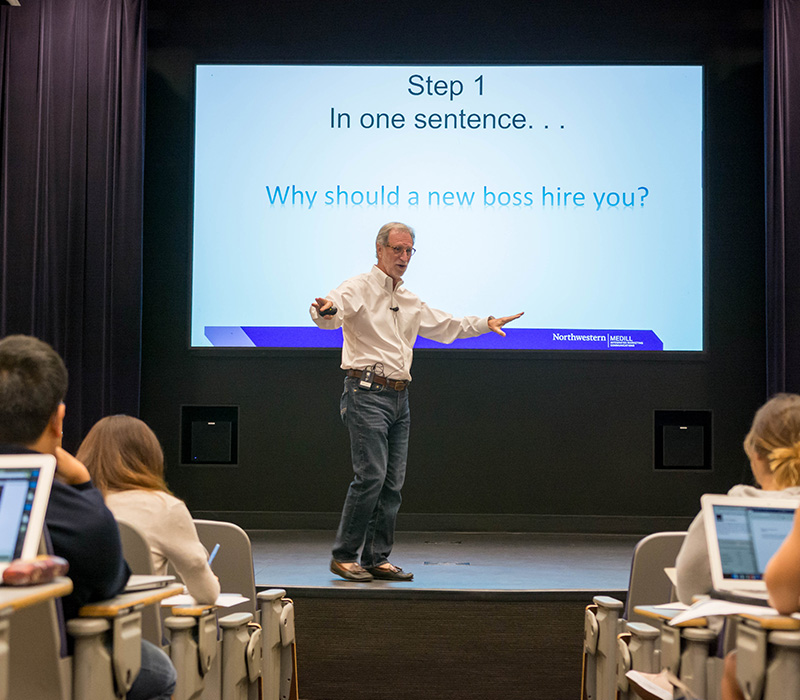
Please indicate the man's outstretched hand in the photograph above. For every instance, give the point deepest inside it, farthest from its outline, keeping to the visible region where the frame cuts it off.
(322, 305)
(496, 324)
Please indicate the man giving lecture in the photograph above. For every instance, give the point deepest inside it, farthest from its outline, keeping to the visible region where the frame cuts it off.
(380, 321)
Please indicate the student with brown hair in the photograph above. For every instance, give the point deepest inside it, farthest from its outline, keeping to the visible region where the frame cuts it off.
(126, 462)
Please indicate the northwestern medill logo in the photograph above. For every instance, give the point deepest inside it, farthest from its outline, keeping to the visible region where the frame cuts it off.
(591, 338)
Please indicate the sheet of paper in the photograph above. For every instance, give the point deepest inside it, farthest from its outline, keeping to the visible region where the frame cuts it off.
(677, 605)
(713, 606)
(225, 600)
(654, 683)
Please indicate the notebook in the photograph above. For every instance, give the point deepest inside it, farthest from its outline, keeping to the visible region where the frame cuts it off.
(24, 491)
(742, 535)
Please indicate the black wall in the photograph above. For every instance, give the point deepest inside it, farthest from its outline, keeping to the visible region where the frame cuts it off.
(543, 440)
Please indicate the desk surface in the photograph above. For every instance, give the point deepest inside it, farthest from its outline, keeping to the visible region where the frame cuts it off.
(666, 614)
(767, 621)
(191, 610)
(125, 602)
(773, 622)
(17, 597)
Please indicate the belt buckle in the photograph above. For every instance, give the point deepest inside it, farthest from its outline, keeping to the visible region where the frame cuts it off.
(400, 384)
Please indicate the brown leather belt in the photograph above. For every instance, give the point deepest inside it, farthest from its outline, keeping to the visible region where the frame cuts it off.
(396, 384)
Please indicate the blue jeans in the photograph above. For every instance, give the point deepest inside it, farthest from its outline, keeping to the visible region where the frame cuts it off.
(157, 677)
(379, 421)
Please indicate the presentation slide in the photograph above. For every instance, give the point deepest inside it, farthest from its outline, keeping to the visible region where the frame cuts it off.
(572, 193)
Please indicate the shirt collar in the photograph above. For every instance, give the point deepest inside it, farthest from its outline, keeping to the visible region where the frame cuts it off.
(384, 280)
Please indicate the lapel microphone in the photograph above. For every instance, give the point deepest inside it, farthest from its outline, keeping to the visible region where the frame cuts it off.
(394, 308)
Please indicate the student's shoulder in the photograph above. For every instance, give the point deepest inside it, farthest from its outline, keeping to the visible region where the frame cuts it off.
(74, 493)
(176, 508)
(132, 504)
(12, 449)
(144, 495)
(747, 491)
(79, 508)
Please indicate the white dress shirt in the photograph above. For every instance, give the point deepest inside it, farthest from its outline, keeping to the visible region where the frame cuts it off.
(374, 333)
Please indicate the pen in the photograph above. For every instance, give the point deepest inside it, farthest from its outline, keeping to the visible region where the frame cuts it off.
(213, 554)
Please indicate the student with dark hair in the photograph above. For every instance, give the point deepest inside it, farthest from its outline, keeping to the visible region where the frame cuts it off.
(33, 383)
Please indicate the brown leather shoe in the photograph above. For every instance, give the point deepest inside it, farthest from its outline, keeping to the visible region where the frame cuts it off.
(390, 573)
(358, 573)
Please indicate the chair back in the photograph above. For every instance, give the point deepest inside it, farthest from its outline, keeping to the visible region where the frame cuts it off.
(136, 551)
(233, 564)
(648, 584)
(135, 548)
(38, 667)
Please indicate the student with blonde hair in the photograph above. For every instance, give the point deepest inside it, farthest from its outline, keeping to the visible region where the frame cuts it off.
(773, 448)
(775, 439)
(126, 462)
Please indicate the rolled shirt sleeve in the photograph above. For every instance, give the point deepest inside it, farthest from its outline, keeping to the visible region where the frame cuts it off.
(445, 328)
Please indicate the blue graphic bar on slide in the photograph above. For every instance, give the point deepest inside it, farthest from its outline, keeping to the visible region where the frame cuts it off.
(516, 339)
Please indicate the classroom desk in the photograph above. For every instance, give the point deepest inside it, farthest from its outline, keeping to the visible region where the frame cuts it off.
(14, 598)
(751, 636)
(18, 597)
(196, 610)
(767, 655)
(769, 621)
(666, 614)
(772, 622)
(127, 602)
(685, 648)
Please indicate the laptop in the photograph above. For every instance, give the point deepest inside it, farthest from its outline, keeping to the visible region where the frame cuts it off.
(146, 582)
(742, 535)
(25, 482)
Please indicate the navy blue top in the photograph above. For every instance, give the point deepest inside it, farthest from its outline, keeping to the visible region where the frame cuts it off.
(83, 531)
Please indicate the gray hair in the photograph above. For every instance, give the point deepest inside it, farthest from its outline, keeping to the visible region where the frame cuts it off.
(386, 229)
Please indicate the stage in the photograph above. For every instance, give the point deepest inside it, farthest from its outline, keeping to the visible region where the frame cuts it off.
(488, 615)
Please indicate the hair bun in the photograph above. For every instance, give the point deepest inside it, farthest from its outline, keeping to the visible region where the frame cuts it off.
(784, 463)
(778, 455)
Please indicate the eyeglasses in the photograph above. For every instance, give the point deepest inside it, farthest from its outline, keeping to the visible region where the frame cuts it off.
(399, 250)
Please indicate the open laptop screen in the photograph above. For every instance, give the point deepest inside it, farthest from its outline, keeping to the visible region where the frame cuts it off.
(748, 536)
(24, 490)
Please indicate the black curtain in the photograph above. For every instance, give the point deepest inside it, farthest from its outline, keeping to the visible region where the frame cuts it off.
(71, 165)
(782, 132)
